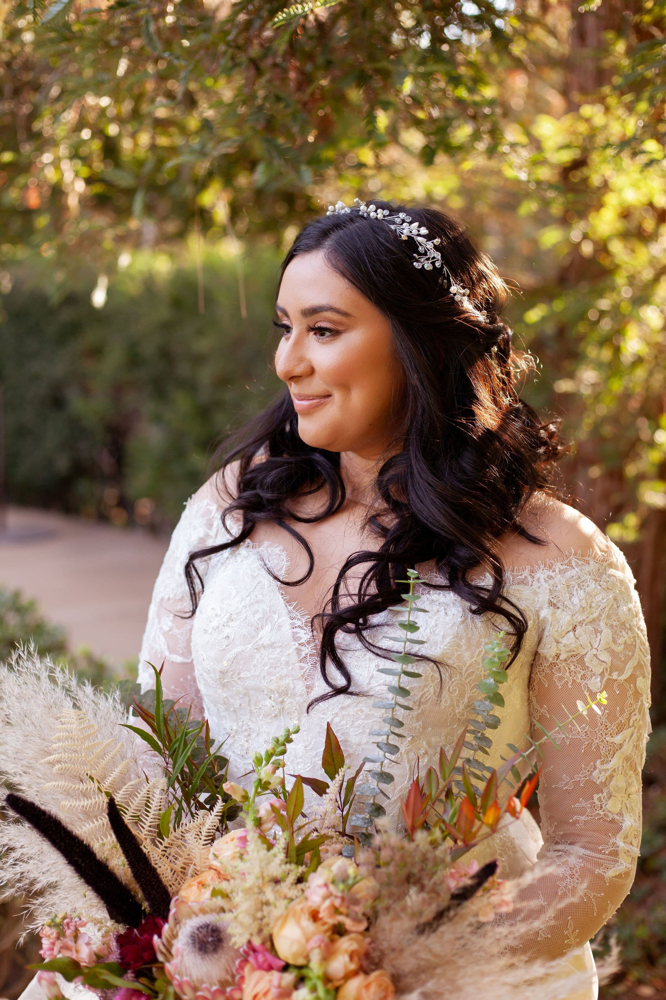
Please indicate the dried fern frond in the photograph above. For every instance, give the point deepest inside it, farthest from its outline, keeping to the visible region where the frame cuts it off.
(185, 852)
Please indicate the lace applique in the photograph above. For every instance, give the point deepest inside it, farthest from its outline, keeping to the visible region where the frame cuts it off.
(252, 656)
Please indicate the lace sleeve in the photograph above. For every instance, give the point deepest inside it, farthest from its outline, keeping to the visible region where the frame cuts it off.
(167, 638)
(590, 789)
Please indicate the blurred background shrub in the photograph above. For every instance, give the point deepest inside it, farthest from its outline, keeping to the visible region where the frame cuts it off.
(111, 412)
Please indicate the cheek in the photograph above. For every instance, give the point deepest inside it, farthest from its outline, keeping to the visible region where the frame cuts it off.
(373, 378)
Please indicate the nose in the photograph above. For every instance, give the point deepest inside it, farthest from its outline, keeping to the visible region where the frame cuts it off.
(292, 359)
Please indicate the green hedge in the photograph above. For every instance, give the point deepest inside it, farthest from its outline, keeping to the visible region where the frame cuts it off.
(108, 406)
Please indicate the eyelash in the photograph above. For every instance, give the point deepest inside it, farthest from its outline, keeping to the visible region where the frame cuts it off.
(313, 329)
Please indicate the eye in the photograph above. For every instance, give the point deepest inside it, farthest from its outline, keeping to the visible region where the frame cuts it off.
(323, 332)
(282, 326)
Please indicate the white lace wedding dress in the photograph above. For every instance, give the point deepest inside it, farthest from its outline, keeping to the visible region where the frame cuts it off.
(252, 658)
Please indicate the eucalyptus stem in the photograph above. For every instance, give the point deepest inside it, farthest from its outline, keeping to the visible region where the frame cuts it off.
(381, 776)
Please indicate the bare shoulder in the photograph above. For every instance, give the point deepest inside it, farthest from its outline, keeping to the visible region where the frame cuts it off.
(563, 531)
(221, 488)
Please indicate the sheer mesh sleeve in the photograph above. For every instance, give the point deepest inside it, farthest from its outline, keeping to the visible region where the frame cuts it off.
(590, 789)
(167, 638)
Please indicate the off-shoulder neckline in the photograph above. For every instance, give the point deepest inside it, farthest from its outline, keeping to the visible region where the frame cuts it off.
(512, 574)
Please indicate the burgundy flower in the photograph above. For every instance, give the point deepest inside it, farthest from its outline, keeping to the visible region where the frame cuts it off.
(135, 945)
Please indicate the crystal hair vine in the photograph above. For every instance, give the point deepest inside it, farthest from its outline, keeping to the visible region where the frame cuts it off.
(427, 255)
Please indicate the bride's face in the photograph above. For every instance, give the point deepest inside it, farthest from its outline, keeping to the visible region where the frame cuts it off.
(336, 355)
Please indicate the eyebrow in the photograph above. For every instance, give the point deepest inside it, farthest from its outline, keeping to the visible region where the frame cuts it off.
(313, 310)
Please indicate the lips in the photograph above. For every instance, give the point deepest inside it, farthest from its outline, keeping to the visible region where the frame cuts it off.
(305, 404)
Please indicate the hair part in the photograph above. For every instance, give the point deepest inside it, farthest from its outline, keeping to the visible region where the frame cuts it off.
(472, 455)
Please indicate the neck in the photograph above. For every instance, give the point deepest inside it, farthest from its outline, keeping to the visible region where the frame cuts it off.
(359, 474)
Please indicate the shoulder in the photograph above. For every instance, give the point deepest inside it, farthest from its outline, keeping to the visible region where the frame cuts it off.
(562, 531)
(221, 488)
(202, 521)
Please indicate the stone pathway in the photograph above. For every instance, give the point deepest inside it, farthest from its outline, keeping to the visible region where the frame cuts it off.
(93, 579)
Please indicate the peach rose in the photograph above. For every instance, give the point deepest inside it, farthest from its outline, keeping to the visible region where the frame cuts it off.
(200, 888)
(363, 893)
(260, 985)
(377, 986)
(229, 847)
(345, 958)
(291, 934)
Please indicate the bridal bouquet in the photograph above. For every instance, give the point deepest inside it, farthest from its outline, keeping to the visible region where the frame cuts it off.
(139, 886)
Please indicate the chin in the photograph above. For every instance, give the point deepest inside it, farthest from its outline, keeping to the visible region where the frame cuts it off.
(317, 436)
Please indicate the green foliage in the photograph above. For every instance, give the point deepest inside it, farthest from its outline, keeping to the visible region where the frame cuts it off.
(107, 407)
(483, 718)
(138, 111)
(392, 708)
(194, 766)
(21, 622)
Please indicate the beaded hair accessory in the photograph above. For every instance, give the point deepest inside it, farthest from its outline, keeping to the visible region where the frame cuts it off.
(427, 256)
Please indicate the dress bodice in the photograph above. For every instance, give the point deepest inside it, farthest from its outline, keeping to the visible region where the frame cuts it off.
(252, 658)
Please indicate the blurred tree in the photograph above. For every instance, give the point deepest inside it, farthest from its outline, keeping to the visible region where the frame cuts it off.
(126, 114)
(542, 124)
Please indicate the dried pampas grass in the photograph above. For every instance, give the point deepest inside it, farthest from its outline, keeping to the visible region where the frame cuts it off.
(63, 745)
(432, 952)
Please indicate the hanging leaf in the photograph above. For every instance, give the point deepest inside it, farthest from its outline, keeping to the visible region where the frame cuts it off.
(332, 758)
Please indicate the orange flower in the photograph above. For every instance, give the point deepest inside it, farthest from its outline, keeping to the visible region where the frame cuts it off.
(200, 888)
(260, 985)
(229, 847)
(291, 934)
(377, 986)
(345, 958)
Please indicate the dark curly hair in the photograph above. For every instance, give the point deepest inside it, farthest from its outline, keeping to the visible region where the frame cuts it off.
(471, 452)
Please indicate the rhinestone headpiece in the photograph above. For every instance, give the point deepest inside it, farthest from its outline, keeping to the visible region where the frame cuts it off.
(427, 256)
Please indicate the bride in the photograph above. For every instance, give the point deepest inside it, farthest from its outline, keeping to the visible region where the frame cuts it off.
(400, 441)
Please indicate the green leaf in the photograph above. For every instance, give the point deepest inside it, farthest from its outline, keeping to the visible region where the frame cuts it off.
(332, 758)
(496, 698)
(375, 810)
(68, 968)
(295, 801)
(467, 784)
(403, 658)
(393, 722)
(399, 692)
(159, 705)
(146, 737)
(350, 787)
(383, 777)
(499, 675)
(93, 976)
(411, 673)
(388, 748)
(362, 821)
(367, 789)
(408, 626)
(165, 821)
(487, 686)
(391, 671)
(383, 704)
